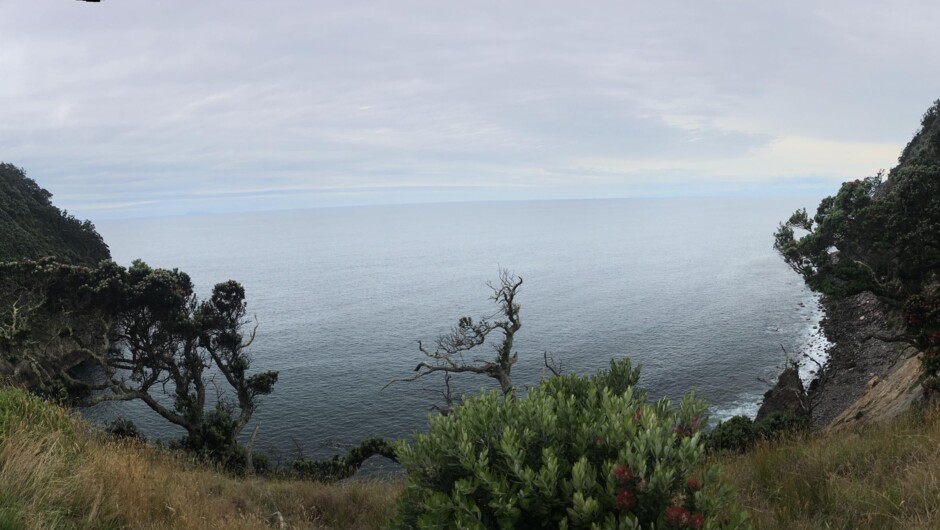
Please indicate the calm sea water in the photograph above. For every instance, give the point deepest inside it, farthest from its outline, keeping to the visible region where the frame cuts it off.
(689, 288)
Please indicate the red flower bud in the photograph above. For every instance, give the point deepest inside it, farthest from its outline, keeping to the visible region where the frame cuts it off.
(626, 500)
(677, 516)
(623, 473)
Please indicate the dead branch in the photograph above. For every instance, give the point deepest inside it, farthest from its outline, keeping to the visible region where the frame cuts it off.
(467, 334)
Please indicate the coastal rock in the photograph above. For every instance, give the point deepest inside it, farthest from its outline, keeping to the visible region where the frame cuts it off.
(884, 399)
(854, 358)
(787, 395)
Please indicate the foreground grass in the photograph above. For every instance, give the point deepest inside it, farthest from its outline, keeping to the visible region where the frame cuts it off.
(883, 477)
(55, 473)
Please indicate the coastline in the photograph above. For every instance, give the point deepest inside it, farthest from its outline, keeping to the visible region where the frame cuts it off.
(853, 359)
(815, 345)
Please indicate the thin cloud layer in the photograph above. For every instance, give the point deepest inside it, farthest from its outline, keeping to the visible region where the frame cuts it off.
(126, 108)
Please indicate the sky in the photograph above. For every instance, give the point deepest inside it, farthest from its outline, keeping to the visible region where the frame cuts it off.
(129, 108)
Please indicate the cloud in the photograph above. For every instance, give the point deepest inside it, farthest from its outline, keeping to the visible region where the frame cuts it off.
(170, 103)
(796, 156)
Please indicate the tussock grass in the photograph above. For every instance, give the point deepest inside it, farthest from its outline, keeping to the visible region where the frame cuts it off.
(56, 473)
(883, 477)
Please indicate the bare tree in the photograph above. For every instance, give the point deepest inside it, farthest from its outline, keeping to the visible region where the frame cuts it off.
(450, 354)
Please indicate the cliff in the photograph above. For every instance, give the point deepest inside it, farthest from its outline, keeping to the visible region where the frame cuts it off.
(873, 250)
(848, 391)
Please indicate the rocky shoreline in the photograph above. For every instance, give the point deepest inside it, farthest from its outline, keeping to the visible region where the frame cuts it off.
(854, 359)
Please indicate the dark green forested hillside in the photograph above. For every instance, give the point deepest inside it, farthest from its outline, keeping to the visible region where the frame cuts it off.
(31, 227)
(876, 234)
(881, 234)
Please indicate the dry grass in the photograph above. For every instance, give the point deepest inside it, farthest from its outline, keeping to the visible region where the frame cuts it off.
(53, 474)
(884, 477)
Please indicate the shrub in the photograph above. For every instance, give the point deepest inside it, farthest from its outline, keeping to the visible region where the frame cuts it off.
(737, 434)
(123, 428)
(341, 467)
(576, 452)
(740, 433)
(779, 424)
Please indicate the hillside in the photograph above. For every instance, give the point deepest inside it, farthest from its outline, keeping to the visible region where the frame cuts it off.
(34, 316)
(57, 473)
(873, 251)
(32, 227)
(884, 476)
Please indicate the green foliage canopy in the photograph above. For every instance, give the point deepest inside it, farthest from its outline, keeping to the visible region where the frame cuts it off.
(31, 227)
(876, 234)
(162, 340)
(882, 235)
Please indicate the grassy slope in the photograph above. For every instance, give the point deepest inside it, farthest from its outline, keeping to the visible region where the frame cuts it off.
(56, 473)
(885, 477)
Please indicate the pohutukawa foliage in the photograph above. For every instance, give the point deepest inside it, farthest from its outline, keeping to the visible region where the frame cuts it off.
(881, 234)
(187, 359)
(878, 234)
(575, 452)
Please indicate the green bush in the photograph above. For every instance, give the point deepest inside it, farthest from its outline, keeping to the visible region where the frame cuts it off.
(576, 452)
(779, 424)
(123, 428)
(341, 467)
(737, 434)
(740, 433)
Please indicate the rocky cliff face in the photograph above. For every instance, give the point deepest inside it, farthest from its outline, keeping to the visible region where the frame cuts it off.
(866, 380)
(884, 398)
(787, 395)
(855, 357)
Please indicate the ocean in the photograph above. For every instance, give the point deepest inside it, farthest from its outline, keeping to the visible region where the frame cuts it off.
(691, 289)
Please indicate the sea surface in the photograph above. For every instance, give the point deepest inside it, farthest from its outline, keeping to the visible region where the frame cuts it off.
(691, 289)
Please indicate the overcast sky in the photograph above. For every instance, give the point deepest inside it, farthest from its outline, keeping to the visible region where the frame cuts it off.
(127, 108)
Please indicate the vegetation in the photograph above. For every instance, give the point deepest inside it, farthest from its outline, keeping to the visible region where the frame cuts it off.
(31, 227)
(47, 318)
(741, 433)
(162, 340)
(575, 452)
(881, 235)
(165, 347)
(877, 234)
(448, 357)
(55, 473)
(883, 477)
(161, 333)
